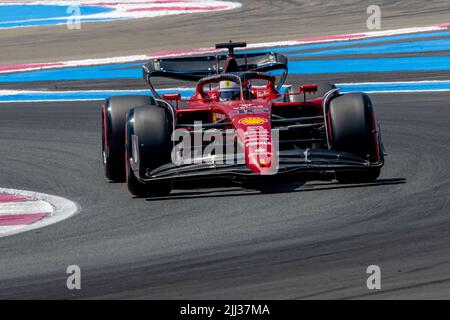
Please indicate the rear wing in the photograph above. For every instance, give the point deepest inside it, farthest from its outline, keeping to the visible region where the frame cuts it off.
(198, 67)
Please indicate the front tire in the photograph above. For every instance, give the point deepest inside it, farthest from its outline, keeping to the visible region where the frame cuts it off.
(353, 130)
(114, 113)
(148, 146)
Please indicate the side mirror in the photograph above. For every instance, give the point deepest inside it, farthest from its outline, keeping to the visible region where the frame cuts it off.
(308, 88)
(172, 96)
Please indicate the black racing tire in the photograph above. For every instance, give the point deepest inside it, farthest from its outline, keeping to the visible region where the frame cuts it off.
(151, 127)
(353, 126)
(114, 113)
(322, 89)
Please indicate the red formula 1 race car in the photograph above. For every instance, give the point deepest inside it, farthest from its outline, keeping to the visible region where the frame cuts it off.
(241, 123)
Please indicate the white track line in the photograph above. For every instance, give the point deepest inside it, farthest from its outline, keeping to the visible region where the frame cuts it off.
(393, 82)
(146, 91)
(28, 207)
(125, 10)
(135, 58)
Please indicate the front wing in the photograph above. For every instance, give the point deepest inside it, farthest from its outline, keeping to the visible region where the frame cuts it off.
(289, 162)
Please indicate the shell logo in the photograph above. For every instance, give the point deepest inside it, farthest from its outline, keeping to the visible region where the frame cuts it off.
(252, 121)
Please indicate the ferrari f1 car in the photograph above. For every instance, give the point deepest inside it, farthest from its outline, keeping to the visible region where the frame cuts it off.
(241, 123)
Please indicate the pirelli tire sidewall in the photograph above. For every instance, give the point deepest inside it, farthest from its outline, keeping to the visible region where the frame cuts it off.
(148, 132)
(114, 113)
(353, 129)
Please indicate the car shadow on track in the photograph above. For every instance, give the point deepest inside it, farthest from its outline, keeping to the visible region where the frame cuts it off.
(273, 189)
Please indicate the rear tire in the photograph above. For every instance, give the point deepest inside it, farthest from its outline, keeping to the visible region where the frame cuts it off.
(148, 146)
(353, 130)
(114, 113)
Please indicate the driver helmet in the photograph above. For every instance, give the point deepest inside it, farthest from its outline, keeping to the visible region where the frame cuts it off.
(229, 90)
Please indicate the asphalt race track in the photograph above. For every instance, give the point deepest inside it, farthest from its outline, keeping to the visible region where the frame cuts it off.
(294, 241)
(255, 21)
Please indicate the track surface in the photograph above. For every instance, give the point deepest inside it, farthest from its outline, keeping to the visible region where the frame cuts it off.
(298, 241)
(255, 21)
